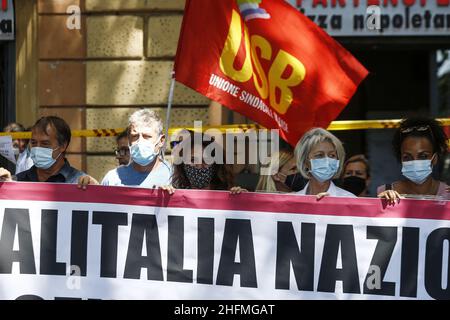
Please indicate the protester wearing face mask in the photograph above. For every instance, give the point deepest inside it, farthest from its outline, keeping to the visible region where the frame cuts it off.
(20, 147)
(123, 150)
(273, 178)
(320, 156)
(356, 175)
(419, 143)
(50, 138)
(194, 171)
(147, 168)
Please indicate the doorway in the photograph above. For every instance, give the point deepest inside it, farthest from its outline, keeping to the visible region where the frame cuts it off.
(7, 83)
(7, 89)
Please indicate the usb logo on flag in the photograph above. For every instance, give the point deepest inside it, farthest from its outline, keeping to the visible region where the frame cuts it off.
(250, 10)
(274, 75)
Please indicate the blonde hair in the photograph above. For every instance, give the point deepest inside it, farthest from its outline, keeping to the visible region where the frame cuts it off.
(309, 140)
(277, 161)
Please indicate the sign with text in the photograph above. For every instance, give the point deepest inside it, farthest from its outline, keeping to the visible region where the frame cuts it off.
(58, 242)
(7, 20)
(378, 17)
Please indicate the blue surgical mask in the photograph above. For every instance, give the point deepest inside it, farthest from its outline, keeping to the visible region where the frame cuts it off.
(43, 157)
(417, 170)
(143, 152)
(324, 169)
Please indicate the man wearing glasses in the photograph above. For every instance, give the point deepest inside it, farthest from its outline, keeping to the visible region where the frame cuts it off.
(123, 150)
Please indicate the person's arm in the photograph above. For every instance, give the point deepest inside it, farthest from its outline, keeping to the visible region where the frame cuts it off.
(237, 190)
(391, 196)
(169, 188)
(86, 180)
(322, 195)
(5, 175)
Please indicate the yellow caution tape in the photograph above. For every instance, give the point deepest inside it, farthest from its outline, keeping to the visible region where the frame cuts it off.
(96, 133)
(17, 135)
(235, 128)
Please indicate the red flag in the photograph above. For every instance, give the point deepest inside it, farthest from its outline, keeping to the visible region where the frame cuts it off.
(267, 61)
(447, 132)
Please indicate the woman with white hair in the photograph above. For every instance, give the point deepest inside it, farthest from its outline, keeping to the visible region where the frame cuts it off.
(320, 157)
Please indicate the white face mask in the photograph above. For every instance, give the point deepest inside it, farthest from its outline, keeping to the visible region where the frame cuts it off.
(324, 169)
(143, 152)
(417, 171)
(43, 157)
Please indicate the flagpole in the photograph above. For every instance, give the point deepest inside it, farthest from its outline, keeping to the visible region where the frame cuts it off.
(169, 106)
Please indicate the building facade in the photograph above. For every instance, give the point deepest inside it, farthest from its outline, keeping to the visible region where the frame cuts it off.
(94, 62)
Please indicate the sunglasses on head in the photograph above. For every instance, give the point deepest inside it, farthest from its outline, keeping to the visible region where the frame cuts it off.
(416, 128)
(421, 129)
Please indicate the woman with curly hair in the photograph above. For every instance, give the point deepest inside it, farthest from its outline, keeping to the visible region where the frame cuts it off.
(419, 144)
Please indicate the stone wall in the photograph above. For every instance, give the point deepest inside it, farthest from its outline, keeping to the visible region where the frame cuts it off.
(119, 61)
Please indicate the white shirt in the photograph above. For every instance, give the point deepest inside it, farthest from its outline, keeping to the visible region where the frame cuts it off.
(24, 162)
(333, 191)
(128, 176)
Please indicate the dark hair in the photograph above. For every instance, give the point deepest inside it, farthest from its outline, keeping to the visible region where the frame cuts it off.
(63, 133)
(223, 178)
(421, 127)
(14, 127)
(122, 135)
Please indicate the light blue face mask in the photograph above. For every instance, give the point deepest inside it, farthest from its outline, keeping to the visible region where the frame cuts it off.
(143, 152)
(324, 169)
(417, 171)
(43, 157)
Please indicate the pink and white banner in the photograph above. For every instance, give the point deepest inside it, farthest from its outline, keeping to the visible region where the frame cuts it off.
(57, 241)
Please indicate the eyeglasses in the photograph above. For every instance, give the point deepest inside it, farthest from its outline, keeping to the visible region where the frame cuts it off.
(122, 152)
